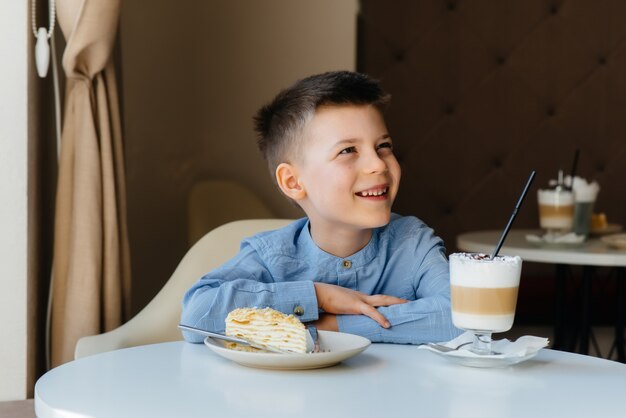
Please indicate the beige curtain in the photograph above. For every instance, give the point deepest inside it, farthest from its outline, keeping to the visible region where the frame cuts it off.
(91, 276)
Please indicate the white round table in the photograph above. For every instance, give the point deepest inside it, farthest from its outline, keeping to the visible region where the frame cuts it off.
(179, 379)
(592, 253)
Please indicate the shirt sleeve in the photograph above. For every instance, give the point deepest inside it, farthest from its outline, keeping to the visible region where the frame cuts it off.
(244, 281)
(425, 319)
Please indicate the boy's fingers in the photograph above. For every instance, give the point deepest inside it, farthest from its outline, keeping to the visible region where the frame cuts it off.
(370, 311)
(384, 300)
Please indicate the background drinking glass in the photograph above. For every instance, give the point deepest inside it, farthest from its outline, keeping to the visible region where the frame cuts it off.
(585, 195)
(582, 217)
(556, 209)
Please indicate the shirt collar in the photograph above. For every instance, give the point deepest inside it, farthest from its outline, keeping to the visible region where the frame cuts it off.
(358, 259)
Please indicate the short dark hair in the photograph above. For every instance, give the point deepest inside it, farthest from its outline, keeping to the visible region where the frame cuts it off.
(279, 123)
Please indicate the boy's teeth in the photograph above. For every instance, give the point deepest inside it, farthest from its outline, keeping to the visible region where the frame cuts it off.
(373, 193)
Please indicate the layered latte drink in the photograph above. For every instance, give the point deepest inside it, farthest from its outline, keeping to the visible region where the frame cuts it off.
(556, 209)
(484, 291)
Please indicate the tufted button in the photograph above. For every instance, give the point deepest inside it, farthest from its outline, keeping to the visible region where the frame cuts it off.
(399, 56)
(500, 60)
(450, 110)
(346, 264)
(497, 162)
(551, 111)
(602, 60)
(298, 310)
(600, 167)
(451, 5)
(448, 210)
(554, 9)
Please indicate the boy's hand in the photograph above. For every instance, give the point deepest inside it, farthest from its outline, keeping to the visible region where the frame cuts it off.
(339, 300)
(327, 322)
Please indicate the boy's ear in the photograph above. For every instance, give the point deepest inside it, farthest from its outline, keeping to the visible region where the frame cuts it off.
(287, 179)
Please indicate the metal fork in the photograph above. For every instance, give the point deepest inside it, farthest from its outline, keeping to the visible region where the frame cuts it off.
(316, 343)
(241, 341)
(228, 338)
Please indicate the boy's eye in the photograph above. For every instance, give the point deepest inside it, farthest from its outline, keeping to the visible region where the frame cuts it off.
(348, 150)
(385, 145)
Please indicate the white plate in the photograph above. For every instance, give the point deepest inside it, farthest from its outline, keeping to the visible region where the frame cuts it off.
(546, 240)
(610, 229)
(616, 241)
(482, 361)
(338, 346)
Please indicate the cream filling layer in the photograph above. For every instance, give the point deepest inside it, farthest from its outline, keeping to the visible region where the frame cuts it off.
(282, 336)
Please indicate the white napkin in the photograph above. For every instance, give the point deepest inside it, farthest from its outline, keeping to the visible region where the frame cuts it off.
(551, 238)
(521, 347)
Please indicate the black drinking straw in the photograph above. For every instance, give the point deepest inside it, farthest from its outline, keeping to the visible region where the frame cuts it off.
(513, 215)
(574, 165)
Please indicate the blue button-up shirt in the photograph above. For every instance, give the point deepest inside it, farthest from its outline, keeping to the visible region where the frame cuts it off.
(278, 269)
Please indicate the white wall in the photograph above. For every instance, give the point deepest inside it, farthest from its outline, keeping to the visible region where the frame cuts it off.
(13, 204)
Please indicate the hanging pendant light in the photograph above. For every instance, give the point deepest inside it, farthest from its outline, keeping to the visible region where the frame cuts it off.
(42, 52)
(42, 48)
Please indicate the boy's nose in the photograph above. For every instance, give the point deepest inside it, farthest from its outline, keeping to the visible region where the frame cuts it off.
(374, 164)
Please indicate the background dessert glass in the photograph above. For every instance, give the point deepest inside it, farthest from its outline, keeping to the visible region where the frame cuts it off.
(585, 195)
(582, 217)
(484, 295)
(556, 210)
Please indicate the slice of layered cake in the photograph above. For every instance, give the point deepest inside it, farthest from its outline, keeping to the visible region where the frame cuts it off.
(266, 327)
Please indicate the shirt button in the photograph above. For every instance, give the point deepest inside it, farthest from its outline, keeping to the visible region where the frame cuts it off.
(347, 264)
(298, 310)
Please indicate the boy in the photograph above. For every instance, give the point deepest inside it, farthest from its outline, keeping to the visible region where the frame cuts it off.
(350, 265)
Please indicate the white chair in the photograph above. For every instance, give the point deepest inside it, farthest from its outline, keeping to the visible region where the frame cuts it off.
(158, 321)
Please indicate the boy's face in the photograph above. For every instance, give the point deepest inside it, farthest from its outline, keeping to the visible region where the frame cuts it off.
(347, 169)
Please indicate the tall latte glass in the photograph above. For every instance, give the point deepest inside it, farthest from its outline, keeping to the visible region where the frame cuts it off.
(556, 210)
(484, 295)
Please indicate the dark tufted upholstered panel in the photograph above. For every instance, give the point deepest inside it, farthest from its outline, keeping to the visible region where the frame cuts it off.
(484, 91)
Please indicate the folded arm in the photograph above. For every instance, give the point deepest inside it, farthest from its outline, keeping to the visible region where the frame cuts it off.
(244, 281)
(425, 319)
(334, 300)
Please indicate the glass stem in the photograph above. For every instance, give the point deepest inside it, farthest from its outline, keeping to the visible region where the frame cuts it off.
(482, 343)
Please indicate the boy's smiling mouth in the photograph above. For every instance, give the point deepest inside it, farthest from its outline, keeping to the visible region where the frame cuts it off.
(377, 192)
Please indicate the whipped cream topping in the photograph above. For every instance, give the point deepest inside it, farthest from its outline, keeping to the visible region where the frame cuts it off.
(584, 190)
(481, 257)
(558, 197)
(477, 270)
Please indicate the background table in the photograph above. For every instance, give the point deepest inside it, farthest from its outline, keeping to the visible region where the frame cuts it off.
(592, 253)
(179, 379)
